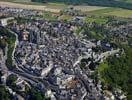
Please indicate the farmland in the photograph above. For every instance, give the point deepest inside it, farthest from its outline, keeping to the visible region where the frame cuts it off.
(118, 12)
(97, 20)
(88, 8)
(53, 7)
(129, 1)
(57, 7)
(121, 13)
(33, 7)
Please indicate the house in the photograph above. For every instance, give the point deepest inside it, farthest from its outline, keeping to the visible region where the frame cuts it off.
(64, 79)
(45, 71)
(6, 21)
(25, 35)
(48, 93)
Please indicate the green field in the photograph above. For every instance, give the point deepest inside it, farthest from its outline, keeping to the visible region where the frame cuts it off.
(90, 10)
(48, 16)
(112, 12)
(97, 20)
(17, 0)
(66, 17)
(129, 1)
(121, 13)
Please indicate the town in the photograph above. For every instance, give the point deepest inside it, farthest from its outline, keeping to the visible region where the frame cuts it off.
(51, 57)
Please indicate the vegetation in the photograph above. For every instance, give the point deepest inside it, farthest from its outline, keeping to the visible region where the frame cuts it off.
(114, 72)
(78, 30)
(66, 17)
(16, 0)
(36, 95)
(112, 12)
(11, 43)
(110, 3)
(82, 65)
(3, 43)
(4, 95)
(96, 20)
(121, 13)
(48, 16)
(22, 20)
(11, 82)
(117, 72)
(94, 32)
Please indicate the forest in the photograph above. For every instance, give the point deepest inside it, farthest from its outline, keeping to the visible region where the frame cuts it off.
(117, 72)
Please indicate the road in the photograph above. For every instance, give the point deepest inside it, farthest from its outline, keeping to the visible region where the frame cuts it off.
(34, 80)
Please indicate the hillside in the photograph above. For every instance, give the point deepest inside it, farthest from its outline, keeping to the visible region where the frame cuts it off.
(127, 4)
(111, 3)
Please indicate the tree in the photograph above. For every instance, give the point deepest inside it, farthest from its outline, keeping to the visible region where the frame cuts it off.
(4, 95)
(36, 95)
(119, 72)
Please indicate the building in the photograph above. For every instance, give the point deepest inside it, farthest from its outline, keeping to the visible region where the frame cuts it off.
(6, 21)
(46, 70)
(25, 35)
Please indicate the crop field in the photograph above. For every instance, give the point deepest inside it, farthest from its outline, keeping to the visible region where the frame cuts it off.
(112, 12)
(57, 7)
(88, 8)
(16, 0)
(29, 6)
(53, 7)
(129, 1)
(66, 17)
(121, 13)
(97, 20)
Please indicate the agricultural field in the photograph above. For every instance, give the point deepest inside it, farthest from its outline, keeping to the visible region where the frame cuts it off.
(16, 0)
(29, 6)
(129, 1)
(65, 17)
(57, 7)
(118, 12)
(49, 16)
(121, 13)
(88, 8)
(53, 7)
(97, 20)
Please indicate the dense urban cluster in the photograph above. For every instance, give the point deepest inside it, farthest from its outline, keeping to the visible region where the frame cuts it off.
(51, 57)
(53, 52)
